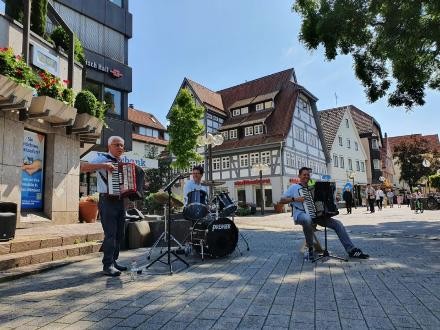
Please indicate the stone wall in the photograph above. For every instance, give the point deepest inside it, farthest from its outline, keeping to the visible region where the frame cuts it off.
(61, 173)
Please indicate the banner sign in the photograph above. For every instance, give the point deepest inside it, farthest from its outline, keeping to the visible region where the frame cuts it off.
(256, 181)
(32, 171)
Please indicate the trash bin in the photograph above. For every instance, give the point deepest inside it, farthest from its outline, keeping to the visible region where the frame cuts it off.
(8, 220)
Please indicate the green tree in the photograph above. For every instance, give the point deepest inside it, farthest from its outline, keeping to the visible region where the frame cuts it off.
(410, 155)
(14, 9)
(185, 126)
(435, 181)
(158, 177)
(394, 44)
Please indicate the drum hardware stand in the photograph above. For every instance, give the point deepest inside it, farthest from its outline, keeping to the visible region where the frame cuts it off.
(242, 237)
(325, 253)
(168, 252)
(163, 236)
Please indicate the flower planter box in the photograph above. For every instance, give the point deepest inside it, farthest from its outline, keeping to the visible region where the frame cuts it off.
(83, 120)
(10, 89)
(58, 111)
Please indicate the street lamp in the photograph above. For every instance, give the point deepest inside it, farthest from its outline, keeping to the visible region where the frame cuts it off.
(210, 140)
(426, 163)
(261, 167)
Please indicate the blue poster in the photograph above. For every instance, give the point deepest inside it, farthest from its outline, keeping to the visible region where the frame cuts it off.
(32, 171)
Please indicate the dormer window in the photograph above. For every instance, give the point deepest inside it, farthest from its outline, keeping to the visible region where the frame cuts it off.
(232, 134)
(264, 105)
(258, 129)
(244, 110)
(235, 112)
(225, 135)
(249, 131)
(240, 111)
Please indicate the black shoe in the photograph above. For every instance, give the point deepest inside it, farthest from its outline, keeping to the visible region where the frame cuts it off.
(111, 271)
(119, 267)
(357, 253)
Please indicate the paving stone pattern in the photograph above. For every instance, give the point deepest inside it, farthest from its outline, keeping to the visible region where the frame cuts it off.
(269, 287)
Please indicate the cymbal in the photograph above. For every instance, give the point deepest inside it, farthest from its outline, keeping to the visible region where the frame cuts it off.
(161, 197)
(213, 183)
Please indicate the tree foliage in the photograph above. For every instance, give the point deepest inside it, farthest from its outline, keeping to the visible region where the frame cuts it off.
(185, 126)
(410, 155)
(394, 44)
(14, 9)
(435, 181)
(158, 177)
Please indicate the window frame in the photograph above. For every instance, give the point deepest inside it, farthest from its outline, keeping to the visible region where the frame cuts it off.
(260, 129)
(226, 160)
(233, 134)
(244, 160)
(249, 131)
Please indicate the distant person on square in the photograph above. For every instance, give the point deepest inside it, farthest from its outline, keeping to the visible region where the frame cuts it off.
(371, 197)
(390, 197)
(348, 198)
(379, 198)
(111, 208)
(300, 217)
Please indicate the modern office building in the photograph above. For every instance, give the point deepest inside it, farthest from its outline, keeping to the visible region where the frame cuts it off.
(104, 28)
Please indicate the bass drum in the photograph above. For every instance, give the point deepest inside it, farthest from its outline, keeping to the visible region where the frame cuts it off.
(218, 237)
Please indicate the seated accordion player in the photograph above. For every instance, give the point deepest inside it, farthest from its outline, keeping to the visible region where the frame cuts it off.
(319, 200)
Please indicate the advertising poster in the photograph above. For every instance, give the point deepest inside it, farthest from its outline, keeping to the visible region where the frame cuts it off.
(32, 171)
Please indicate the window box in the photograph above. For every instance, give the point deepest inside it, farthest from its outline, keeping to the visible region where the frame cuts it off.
(56, 111)
(84, 120)
(14, 92)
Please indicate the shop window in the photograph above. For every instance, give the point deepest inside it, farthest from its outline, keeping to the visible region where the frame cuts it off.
(241, 195)
(113, 99)
(95, 88)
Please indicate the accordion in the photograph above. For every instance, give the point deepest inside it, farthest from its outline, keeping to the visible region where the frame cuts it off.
(320, 200)
(122, 180)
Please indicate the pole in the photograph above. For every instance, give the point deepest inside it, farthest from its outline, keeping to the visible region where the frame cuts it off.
(26, 29)
(261, 192)
(210, 168)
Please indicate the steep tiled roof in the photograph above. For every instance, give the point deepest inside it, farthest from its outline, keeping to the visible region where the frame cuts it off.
(433, 140)
(330, 122)
(277, 121)
(365, 124)
(144, 119)
(207, 96)
(149, 139)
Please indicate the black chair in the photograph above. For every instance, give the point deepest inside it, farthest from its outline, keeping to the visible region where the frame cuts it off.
(8, 220)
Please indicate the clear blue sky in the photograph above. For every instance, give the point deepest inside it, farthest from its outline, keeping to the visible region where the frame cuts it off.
(221, 43)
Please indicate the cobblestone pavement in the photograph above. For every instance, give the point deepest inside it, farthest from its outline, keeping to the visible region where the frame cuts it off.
(269, 287)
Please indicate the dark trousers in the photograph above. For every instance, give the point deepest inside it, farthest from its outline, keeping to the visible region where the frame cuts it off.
(371, 202)
(348, 205)
(112, 219)
(379, 203)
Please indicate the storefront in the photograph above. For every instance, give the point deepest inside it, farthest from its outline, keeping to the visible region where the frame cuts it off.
(88, 181)
(249, 191)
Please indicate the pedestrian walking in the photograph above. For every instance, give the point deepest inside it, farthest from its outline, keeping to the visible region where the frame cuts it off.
(379, 198)
(390, 197)
(399, 200)
(348, 198)
(371, 197)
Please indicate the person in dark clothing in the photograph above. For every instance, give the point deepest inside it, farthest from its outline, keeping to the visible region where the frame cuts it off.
(348, 198)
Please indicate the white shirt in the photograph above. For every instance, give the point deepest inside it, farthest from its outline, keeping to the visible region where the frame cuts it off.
(102, 157)
(190, 185)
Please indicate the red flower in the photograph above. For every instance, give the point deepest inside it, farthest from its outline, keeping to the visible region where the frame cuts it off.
(66, 81)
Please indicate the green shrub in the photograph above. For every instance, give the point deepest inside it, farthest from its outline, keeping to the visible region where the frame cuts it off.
(49, 85)
(435, 181)
(38, 17)
(242, 212)
(15, 68)
(86, 102)
(61, 39)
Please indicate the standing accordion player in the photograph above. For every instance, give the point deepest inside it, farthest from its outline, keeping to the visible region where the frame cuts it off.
(320, 200)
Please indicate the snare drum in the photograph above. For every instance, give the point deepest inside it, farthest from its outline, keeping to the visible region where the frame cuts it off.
(216, 238)
(197, 206)
(227, 206)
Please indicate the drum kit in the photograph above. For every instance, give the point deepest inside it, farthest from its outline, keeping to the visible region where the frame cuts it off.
(213, 232)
